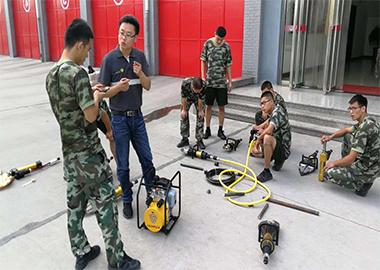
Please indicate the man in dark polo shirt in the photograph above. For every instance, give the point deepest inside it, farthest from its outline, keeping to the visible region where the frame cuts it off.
(125, 72)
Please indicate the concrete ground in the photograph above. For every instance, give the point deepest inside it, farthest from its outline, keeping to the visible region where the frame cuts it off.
(211, 232)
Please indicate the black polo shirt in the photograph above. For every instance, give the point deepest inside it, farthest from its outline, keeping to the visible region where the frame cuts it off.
(115, 67)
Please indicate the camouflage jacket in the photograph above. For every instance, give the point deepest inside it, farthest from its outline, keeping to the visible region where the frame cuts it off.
(366, 143)
(188, 93)
(279, 100)
(218, 58)
(70, 93)
(279, 120)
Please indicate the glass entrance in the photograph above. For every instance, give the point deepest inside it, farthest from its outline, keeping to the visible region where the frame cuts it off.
(317, 43)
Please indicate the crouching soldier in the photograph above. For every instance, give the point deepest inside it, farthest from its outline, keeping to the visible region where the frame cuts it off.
(360, 162)
(275, 137)
(192, 92)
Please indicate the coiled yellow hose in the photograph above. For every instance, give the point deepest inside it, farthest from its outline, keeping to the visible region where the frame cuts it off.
(247, 173)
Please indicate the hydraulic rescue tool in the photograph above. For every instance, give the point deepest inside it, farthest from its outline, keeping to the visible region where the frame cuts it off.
(323, 157)
(20, 172)
(160, 201)
(268, 237)
(246, 173)
(231, 144)
(308, 164)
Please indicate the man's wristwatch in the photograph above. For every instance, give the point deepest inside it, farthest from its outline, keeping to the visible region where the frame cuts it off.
(107, 88)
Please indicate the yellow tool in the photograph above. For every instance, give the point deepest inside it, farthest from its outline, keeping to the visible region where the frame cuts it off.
(323, 157)
(161, 214)
(247, 173)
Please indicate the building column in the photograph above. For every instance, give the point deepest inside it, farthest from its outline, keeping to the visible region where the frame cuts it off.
(251, 40)
(270, 42)
(10, 27)
(42, 30)
(151, 35)
(85, 14)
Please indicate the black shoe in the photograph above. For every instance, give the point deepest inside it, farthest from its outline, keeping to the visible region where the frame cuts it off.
(127, 210)
(83, 260)
(265, 176)
(184, 142)
(201, 145)
(364, 190)
(129, 264)
(278, 165)
(221, 134)
(207, 133)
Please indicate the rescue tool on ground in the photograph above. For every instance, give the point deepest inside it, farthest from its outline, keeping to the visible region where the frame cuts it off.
(268, 237)
(308, 164)
(247, 173)
(20, 172)
(160, 215)
(231, 144)
(323, 158)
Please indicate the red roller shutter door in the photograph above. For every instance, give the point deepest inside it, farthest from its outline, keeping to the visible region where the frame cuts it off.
(60, 14)
(186, 25)
(4, 50)
(105, 18)
(26, 33)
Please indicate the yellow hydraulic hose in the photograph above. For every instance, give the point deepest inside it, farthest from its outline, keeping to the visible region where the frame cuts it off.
(247, 173)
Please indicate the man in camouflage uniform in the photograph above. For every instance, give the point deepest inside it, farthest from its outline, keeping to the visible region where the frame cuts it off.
(278, 100)
(216, 55)
(192, 92)
(360, 162)
(275, 139)
(88, 175)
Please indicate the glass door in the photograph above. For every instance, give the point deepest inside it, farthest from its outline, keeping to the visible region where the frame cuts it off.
(312, 46)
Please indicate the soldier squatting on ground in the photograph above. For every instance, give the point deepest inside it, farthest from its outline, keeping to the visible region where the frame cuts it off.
(360, 162)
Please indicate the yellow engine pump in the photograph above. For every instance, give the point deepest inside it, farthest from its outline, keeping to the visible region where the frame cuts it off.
(161, 213)
(154, 216)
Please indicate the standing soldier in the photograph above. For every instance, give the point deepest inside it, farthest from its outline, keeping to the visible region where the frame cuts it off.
(360, 162)
(192, 93)
(216, 55)
(88, 175)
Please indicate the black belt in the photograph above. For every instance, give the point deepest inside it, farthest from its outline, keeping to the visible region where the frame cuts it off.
(126, 113)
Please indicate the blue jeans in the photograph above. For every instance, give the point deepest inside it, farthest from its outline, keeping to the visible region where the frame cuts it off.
(126, 129)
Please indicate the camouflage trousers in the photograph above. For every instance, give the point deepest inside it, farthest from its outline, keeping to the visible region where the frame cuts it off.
(185, 124)
(347, 176)
(90, 180)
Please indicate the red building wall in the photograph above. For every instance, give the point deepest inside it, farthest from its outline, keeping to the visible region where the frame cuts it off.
(26, 33)
(184, 26)
(59, 14)
(105, 19)
(4, 50)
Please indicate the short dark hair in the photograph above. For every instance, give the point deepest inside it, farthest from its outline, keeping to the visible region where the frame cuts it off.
(77, 31)
(266, 85)
(221, 31)
(131, 20)
(361, 100)
(268, 95)
(197, 83)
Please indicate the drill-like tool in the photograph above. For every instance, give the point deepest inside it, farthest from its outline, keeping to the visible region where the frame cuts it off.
(268, 237)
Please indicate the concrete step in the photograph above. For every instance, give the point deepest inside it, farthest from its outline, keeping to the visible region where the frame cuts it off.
(242, 81)
(305, 119)
(296, 126)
